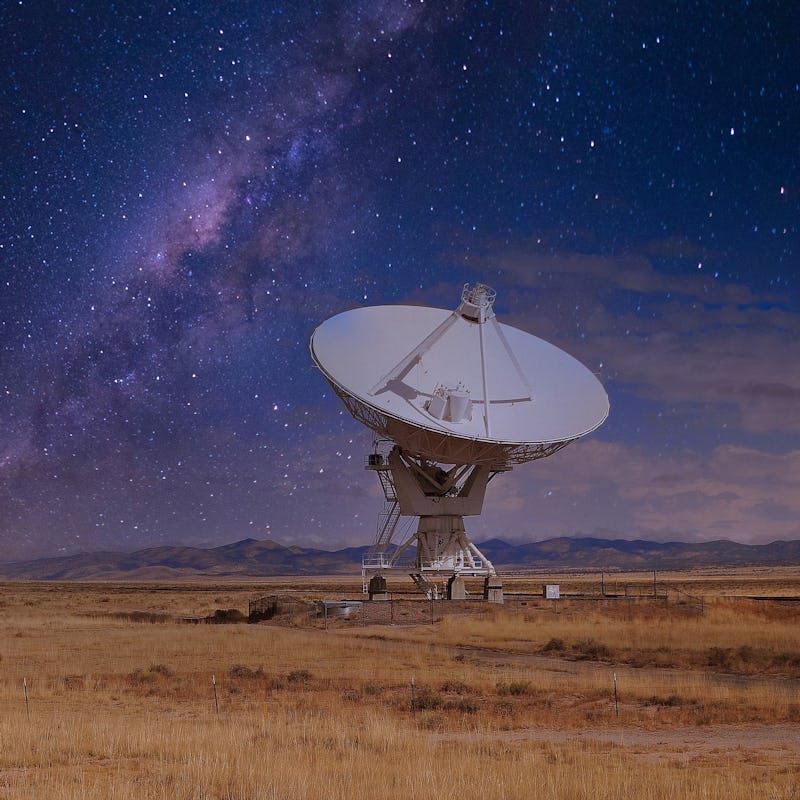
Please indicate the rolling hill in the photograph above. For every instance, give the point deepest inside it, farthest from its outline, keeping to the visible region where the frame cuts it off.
(251, 558)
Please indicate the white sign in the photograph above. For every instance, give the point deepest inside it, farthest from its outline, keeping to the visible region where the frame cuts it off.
(552, 591)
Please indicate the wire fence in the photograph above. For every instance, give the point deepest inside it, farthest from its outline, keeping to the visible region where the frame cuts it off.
(421, 611)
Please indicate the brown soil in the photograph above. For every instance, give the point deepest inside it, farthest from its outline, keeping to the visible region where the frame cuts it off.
(769, 742)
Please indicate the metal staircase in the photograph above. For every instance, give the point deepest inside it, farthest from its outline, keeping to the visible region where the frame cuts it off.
(430, 590)
(378, 557)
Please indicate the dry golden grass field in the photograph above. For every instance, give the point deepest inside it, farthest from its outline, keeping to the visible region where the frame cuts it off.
(513, 701)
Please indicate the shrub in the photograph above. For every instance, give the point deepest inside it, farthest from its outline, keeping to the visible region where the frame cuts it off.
(298, 676)
(431, 721)
(455, 687)
(150, 675)
(466, 705)
(590, 650)
(745, 653)
(719, 657)
(504, 708)
(671, 701)
(143, 676)
(515, 688)
(425, 699)
(786, 660)
(242, 671)
(74, 681)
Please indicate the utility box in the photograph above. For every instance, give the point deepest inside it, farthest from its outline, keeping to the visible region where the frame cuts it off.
(377, 588)
(493, 589)
(551, 591)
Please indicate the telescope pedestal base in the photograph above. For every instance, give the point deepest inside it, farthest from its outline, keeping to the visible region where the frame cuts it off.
(456, 589)
(440, 548)
(443, 546)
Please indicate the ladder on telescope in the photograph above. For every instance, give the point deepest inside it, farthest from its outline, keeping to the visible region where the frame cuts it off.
(389, 516)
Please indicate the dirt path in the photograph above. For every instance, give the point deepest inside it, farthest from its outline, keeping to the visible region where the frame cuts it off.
(563, 670)
(768, 741)
(780, 742)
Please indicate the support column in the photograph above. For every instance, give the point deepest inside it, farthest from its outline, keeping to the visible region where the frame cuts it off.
(456, 590)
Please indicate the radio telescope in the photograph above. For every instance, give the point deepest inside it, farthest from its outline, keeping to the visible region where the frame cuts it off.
(458, 397)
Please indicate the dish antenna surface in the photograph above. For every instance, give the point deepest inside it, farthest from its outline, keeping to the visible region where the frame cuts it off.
(460, 397)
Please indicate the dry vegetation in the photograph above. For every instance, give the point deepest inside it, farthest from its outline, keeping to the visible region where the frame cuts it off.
(509, 702)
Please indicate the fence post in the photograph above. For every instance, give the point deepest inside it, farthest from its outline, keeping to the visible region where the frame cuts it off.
(25, 692)
(616, 696)
(413, 698)
(214, 686)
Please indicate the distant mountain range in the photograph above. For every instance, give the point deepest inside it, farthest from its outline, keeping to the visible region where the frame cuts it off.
(251, 558)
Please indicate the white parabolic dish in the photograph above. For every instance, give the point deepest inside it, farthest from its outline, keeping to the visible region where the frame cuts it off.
(420, 376)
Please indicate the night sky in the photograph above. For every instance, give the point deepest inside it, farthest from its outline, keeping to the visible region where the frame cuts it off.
(187, 191)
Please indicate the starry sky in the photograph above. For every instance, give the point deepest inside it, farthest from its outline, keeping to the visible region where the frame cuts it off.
(187, 191)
